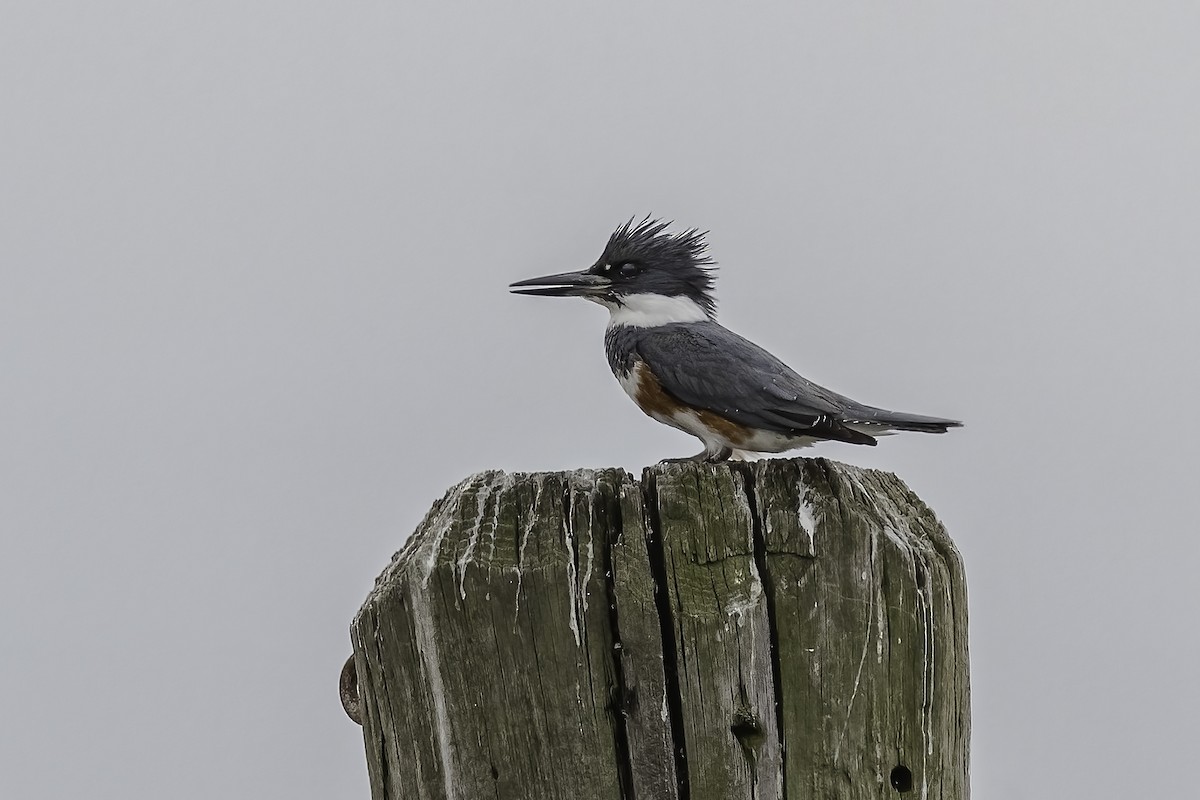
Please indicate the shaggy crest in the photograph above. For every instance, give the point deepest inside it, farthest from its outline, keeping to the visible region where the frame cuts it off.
(681, 256)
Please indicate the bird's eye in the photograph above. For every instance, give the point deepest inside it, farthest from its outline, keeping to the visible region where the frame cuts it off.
(629, 268)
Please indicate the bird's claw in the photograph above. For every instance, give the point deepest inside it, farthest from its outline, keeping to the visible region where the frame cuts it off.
(705, 456)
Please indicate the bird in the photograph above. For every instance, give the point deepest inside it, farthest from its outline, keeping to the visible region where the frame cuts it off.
(684, 369)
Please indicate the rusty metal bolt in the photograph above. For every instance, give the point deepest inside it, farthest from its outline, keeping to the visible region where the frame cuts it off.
(348, 690)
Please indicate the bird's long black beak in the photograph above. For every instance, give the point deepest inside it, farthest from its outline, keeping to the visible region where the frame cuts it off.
(564, 284)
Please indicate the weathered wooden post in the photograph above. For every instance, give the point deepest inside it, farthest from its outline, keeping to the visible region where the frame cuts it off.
(786, 628)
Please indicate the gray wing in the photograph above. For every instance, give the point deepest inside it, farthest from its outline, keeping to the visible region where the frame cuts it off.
(710, 367)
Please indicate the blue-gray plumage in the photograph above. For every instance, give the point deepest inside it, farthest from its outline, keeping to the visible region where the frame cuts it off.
(684, 369)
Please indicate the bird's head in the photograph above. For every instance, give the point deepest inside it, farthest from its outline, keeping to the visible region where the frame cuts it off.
(645, 276)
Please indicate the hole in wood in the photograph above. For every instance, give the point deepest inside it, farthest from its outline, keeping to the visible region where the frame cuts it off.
(748, 730)
(746, 727)
(901, 779)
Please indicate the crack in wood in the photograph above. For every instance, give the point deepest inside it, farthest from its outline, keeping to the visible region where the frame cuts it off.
(623, 696)
(768, 583)
(662, 598)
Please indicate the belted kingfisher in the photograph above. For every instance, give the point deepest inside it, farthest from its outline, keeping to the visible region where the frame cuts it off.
(685, 370)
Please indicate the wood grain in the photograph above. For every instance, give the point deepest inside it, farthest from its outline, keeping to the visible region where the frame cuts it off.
(787, 628)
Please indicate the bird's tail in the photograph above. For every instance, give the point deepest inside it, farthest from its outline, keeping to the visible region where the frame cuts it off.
(889, 421)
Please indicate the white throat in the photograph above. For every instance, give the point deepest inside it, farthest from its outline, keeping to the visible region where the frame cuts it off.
(652, 310)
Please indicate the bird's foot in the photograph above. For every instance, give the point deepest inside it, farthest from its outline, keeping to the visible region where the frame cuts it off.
(705, 456)
(685, 460)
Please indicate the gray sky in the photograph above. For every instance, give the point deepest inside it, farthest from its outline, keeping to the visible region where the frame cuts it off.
(253, 321)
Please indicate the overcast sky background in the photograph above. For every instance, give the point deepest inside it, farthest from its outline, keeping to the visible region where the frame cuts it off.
(254, 320)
